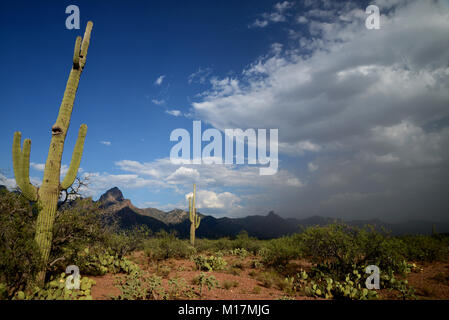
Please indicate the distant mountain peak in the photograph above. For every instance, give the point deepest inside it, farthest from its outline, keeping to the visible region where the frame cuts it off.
(112, 195)
(271, 214)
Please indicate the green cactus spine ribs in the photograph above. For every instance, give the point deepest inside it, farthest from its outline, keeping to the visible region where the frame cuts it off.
(194, 218)
(48, 193)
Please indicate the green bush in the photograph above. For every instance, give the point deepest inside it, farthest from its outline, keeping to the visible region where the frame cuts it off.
(250, 244)
(165, 246)
(202, 280)
(426, 248)
(19, 258)
(278, 252)
(339, 248)
(122, 243)
(210, 263)
(229, 284)
(96, 261)
(78, 225)
(137, 286)
(208, 245)
(241, 241)
(242, 253)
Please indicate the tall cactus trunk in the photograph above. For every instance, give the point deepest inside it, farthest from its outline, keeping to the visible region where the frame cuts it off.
(48, 194)
(192, 234)
(194, 218)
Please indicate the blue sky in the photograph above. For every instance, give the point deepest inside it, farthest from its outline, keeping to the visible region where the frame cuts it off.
(352, 105)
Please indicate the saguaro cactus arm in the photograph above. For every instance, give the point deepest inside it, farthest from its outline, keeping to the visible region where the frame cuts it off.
(85, 44)
(76, 53)
(21, 165)
(76, 159)
(197, 223)
(190, 209)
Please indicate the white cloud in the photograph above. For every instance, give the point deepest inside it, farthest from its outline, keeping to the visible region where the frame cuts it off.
(199, 76)
(38, 166)
(9, 183)
(312, 167)
(260, 23)
(206, 199)
(159, 80)
(137, 167)
(302, 19)
(183, 174)
(277, 15)
(158, 102)
(175, 113)
(106, 143)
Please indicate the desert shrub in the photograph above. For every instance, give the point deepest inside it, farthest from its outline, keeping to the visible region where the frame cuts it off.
(19, 258)
(287, 285)
(242, 253)
(210, 263)
(334, 243)
(338, 248)
(267, 278)
(96, 261)
(257, 290)
(208, 245)
(164, 271)
(178, 289)
(123, 242)
(165, 246)
(202, 280)
(78, 226)
(84, 237)
(426, 248)
(137, 286)
(227, 284)
(341, 254)
(243, 241)
(278, 252)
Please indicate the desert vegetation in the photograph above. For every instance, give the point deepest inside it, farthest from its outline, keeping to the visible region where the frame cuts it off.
(322, 262)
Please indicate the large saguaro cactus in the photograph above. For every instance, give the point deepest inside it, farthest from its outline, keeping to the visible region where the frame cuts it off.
(48, 193)
(194, 218)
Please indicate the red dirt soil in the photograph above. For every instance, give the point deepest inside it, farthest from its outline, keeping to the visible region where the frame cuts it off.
(243, 282)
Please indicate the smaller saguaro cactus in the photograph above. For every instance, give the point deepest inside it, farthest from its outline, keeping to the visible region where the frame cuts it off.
(194, 218)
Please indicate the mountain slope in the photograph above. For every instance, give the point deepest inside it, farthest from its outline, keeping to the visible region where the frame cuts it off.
(263, 227)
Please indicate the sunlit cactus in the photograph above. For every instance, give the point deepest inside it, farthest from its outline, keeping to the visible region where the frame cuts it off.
(194, 218)
(47, 194)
